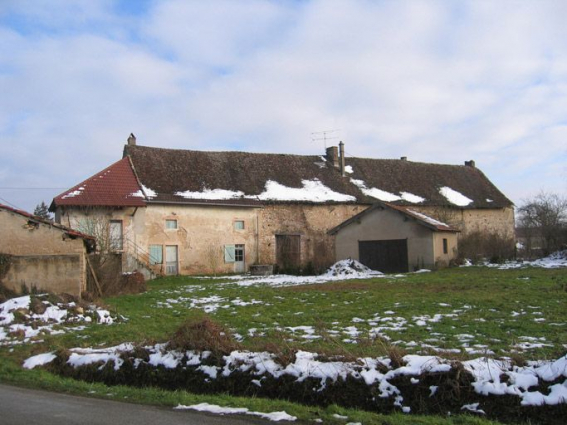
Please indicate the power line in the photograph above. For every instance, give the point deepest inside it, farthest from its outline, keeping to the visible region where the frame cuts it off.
(33, 188)
(9, 203)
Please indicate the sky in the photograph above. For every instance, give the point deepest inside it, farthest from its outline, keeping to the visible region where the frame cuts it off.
(436, 81)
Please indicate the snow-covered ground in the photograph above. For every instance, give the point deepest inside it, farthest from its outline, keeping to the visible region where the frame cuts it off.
(20, 324)
(554, 261)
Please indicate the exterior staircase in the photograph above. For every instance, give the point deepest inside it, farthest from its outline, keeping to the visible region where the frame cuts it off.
(137, 258)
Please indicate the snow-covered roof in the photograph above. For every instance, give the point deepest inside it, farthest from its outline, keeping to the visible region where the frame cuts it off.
(186, 176)
(158, 175)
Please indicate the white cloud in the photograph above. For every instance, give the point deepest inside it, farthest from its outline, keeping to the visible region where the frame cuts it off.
(433, 80)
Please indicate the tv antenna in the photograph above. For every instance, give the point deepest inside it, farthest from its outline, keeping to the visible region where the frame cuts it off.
(325, 135)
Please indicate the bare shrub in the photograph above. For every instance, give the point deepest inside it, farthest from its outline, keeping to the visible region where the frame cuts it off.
(396, 355)
(494, 247)
(204, 334)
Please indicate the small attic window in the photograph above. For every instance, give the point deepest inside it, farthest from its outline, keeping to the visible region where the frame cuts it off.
(171, 224)
(239, 225)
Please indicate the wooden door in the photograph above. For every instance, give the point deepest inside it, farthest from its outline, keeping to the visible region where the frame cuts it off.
(288, 251)
(171, 260)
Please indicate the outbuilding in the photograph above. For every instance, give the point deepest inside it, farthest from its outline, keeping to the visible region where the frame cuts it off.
(37, 254)
(394, 239)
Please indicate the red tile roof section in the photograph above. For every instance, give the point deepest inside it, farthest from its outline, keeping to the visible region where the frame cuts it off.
(112, 187)
(48, 222)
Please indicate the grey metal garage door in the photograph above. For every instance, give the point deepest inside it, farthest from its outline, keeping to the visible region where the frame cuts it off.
(389, 256)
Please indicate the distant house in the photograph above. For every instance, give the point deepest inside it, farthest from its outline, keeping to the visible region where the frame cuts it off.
(188, 212)
(41, 254)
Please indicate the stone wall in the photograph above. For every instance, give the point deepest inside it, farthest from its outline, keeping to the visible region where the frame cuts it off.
(310, 222)
(51, 273)
(498, 220)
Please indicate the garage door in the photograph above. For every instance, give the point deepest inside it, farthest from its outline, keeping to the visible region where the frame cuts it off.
(386, 256)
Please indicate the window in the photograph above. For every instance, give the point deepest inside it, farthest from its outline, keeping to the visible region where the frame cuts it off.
(233, 253)
(115, 235)
(239, 225)
(445, 246)
(156, 254)
(239, 253)
(171, 224)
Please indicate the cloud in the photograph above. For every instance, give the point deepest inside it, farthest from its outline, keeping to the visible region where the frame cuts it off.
(432, 80)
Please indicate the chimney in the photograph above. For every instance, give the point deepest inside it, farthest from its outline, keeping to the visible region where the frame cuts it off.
(470, 163)
(404, 158)
(333, 156)
(342, 157)
(131, 140)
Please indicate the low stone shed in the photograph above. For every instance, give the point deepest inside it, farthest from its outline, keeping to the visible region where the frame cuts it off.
(37, 253)
(394, 239)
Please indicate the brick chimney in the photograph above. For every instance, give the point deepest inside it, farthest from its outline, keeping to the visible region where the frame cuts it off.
(333, 156)
(342, 157)
(470, 164)
(131, 140)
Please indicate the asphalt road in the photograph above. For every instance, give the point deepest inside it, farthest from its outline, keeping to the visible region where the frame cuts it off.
(22, 406)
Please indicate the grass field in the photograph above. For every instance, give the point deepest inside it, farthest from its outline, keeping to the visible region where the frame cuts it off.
(459, 313)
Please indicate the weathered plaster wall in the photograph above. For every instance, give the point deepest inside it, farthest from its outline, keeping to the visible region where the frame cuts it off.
(44, 256)
(311, 222)
(387, 225)
(200, 237)
(442, 259)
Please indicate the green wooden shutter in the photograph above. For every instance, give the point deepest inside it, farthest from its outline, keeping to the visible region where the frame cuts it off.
(229, 253)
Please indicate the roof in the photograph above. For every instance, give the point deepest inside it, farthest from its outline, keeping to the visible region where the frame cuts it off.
(187, 176)
(115, 186)
(58, 226)
(419, 218)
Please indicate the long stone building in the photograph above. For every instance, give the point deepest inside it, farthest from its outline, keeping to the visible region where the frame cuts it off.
(191, 212)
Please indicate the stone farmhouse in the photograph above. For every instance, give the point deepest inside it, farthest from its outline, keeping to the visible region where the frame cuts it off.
(192, 212)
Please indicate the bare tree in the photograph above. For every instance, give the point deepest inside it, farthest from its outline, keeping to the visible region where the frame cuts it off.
(213, 255)
(544, 219)
(99, 226)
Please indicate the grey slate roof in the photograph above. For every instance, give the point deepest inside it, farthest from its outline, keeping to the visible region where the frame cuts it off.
(168, 171)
